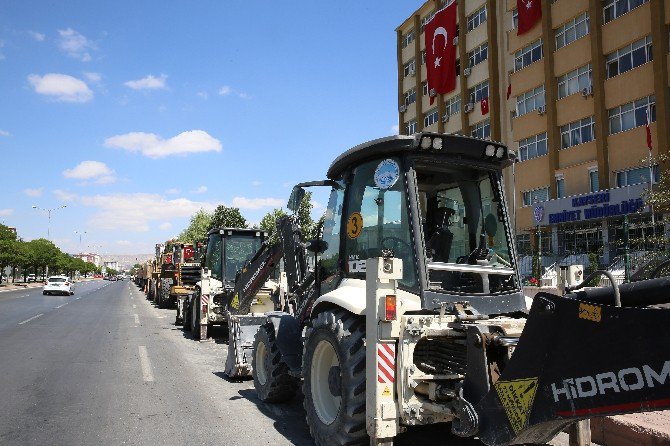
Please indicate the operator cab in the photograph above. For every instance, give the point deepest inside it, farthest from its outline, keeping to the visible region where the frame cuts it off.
(435, 201)
(228, 250)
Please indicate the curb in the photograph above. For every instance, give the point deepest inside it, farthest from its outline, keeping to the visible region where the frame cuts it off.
(632, 430)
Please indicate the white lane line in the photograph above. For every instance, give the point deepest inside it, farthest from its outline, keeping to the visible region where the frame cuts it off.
(137, 319)
(61, 305)
(134, 306)
(146, 365)
(32, 318)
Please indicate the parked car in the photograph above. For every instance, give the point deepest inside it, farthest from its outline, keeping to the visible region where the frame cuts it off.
(58, 285)
(31, 278)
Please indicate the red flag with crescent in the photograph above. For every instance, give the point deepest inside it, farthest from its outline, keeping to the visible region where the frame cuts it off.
(441, 51)
(530, 12)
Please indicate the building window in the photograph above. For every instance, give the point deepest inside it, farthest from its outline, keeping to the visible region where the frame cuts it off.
(479, 54)
(479, 92)
(530, 197)
(477, 18)
(533, 147)
(574, 81)
(593, 180)
(425, 20)
(613, 9)
(560, 187)
(431, 118)
(408, 38)
(424, 88)
(481, 130)
(409, 68)
(515, 18)
(453, 105)
(458, 67)
(410, 96)
(410, 127)
(631, 115)
(527, 55)
(629, 57)
(636, 176)
(572, 30)
(529, 101)
(423, 57)
(578, 132)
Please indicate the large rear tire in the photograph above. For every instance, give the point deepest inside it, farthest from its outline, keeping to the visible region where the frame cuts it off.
(195, 316)
(271, 375)
(333, 365)
(187, 316)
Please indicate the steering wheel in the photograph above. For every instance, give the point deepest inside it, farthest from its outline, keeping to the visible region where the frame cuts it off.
(399, 247)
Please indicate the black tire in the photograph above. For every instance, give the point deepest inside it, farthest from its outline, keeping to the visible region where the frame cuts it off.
(44, 293)
(187, 317)
(272, 380)
(195, 316)
(345, 333)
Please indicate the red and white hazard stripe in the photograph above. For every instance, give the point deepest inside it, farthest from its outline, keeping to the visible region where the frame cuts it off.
(204, 299)
(386, 363)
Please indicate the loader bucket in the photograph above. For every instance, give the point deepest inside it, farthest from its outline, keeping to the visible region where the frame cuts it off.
(241, 332)
(576, 360)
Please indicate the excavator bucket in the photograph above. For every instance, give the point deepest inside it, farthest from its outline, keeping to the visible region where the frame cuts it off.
(576, 360)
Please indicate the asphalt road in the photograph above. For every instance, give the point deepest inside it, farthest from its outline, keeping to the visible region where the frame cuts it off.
(106, 367)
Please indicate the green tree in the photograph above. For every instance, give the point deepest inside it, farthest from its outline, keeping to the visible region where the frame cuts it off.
(42, 253)
(269, 224)
(227, 217)
(197, 229)
(6, 233)
(305, 220)
(9, 253)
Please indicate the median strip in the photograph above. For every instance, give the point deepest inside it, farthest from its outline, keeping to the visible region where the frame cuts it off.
(31, 319)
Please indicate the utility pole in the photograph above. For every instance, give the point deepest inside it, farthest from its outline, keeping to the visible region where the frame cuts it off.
(48, 211)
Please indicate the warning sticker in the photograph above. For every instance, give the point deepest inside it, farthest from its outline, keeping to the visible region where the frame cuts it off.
(386, 391)
(590, 312)
(517, 398)
(236, 302)
(355, 225)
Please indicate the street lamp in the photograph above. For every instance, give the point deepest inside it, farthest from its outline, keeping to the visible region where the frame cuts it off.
(80, 234)
(48, 211)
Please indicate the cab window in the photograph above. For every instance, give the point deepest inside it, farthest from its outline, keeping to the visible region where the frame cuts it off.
(213, 256)
(331, 235)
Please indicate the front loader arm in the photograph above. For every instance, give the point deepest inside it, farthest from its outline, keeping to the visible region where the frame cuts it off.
(252, 277)
(576, 360)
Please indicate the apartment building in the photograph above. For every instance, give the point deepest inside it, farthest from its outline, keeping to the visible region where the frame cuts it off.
(572, 96)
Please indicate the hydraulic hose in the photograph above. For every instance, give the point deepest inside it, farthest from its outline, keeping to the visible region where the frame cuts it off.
(600, 272)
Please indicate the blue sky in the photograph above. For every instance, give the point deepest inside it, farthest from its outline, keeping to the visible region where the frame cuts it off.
(135, 114)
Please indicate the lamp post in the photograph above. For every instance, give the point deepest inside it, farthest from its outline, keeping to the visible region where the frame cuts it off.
(80, 234)
(49, 211)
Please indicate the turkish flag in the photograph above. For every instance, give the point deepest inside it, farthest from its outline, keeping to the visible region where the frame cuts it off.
(485, 106)
(440, 51)
(188, 252)
(646, 126)
(530, 12)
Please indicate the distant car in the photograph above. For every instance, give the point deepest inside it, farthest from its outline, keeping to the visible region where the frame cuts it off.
(31, 278)
(58, 285)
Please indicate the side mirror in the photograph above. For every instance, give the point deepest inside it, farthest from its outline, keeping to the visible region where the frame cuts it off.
(297, 194)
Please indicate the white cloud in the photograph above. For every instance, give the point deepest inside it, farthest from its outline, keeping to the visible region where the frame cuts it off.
(133, 212)
(257, 203)
(62, 195)
(61, 87)
(395, 130)
(227, 91)
(149, 82)
(256, 183)
(6, 212)
(202, 94)
(37, 192)
(152, 146)
(172, 191)
(37, 36)
(75, 44)
(91, 170)
(93, 78)
(165, 226)
(4, 133)
(200, 190)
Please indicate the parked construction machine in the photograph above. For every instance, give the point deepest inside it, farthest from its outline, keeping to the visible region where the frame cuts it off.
(187, 275)
(412, 312)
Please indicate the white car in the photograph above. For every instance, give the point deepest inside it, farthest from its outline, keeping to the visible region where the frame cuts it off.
(58, 285)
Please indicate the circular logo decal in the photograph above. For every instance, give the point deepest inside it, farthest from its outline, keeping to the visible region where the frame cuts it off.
(355, 225)
(538, 213)
(386, 174)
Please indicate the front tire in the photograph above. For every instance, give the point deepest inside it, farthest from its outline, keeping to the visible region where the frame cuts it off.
(272, 380)
(195, 316)
(334, 379)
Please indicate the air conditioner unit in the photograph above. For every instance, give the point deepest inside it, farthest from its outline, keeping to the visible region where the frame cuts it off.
(587, 91)
(467, 71)
(402, 108)
(445, 118)
(469, 107)
(412, 71)
(541, 110)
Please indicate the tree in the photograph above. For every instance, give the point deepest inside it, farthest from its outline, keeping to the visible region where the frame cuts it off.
(9, 252)
(659, 197)
(6, 233)
(197, 229)
(269, 224)
(227, 217)
(305, 221)
(42, 253)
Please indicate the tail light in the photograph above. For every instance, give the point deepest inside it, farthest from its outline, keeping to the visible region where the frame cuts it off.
(67, 283)
(390, 308)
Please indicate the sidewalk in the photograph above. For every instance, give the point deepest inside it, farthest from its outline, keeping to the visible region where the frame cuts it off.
(19, 286)
(641, 429)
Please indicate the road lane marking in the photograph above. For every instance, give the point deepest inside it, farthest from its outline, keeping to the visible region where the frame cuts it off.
(32, 318)
(146, 365)
(137, 319)
(134, 306)
(62, 305)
